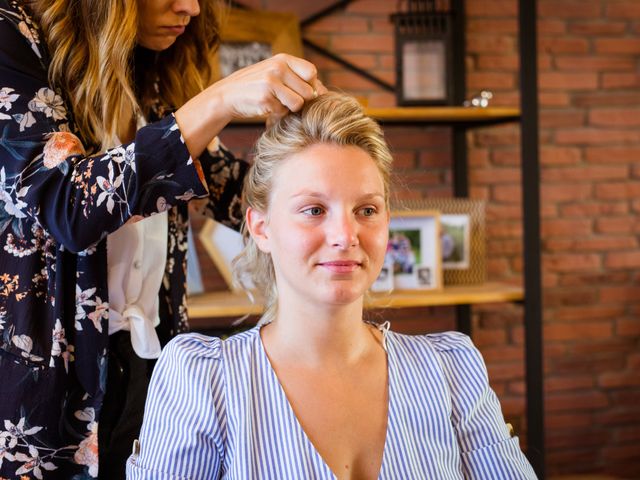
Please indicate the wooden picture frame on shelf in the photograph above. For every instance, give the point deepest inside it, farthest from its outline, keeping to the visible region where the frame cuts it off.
(413, 259)
(249, 36)
(463, 239)
(222, 244)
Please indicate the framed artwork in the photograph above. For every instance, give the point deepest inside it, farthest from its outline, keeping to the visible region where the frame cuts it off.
(413, 260)
(250, 36)
(462, 238)
(222, 244)
(455, 232)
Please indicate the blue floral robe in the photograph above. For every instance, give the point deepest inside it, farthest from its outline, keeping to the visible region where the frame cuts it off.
(56, 206)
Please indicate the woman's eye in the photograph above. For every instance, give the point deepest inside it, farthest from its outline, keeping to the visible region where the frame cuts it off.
(368, 211)
(313, 211)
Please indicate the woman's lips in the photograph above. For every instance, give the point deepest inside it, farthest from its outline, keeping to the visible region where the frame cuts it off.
(341, 266)
(175, 30)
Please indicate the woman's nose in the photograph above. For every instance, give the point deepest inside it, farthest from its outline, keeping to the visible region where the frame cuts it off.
(343, 232)
(186, 7)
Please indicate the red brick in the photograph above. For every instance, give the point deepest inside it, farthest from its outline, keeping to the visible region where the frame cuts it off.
(617, 45)
(502, 63)
(561, 118)
(493, 44)
(370, 7)
(548, 26)
(338, 24)
(627, 224)
(568, 9)
(506, 194)
(404, 160)
(559, 156)
(568, 383)
(628, 326)
(568, 297)
(382, 25)
(606, 99)
(502, 212)
(619, 117)
(558, 421)
(490, 80)
(497, 136)
(596, 136)
(598, 244)
(594, 63)
(567, 81)
(504, 247)
(622, 293)
(565, 193)
(623, 9)
(506, 371)
(498, 267)
(593, 209)
(491, 8)
(382, 99)
(617, 190)
(362, 43)
(434, 159)
(597, 28)
(591, 312)
(628, 259)
(346, 80)
(620, 80)
(553, 99)
(554, 45)
(478, 157)
(584, 174)
(493, 25)
(506, 157)
(504, 229)
(590, 400)
(417, 138)
(613, 154)
(566, 227)
(571, 262)
(495, 175)
(619, 379)
(614, 454)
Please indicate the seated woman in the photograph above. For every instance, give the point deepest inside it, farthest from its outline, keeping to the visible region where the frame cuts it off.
(315, 392)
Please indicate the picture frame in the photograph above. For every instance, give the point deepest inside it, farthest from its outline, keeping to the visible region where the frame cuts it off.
(249, 36)
(222, 245)
(413, 260)
(467, 266)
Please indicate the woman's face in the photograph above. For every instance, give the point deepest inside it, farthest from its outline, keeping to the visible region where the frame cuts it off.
(327, 226)
(160, 22)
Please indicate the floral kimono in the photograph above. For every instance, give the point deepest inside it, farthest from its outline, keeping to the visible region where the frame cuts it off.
(56, 207)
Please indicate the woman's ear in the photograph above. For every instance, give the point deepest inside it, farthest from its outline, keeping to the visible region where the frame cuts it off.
(257, 224)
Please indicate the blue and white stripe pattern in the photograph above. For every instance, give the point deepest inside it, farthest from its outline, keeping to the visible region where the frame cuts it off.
(217, 410)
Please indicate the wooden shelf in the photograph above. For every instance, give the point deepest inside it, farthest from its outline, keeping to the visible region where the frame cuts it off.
(429, 115)
(444, 114)
(228, 304)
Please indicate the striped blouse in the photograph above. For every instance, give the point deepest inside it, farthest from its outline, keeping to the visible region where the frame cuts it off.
(217, 410)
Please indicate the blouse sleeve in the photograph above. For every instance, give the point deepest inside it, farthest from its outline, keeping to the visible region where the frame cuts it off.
(45, 174)
(181, 436)
(224, 175)
(487, 448)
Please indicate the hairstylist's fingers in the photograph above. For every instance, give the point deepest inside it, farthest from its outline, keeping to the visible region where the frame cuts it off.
(304, 69)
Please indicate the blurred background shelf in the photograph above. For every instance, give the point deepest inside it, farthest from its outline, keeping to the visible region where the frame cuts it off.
(230, 304)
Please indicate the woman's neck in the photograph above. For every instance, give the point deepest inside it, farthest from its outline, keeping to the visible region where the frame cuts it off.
(319, 336)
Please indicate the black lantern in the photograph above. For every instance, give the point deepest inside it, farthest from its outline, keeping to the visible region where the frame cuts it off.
(424, 63)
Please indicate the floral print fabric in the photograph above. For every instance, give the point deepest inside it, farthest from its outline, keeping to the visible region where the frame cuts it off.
(56, 207)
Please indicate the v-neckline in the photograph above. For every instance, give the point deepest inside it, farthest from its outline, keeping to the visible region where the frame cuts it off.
(283, 396)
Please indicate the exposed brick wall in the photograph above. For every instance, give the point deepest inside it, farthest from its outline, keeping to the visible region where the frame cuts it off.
(589, 79)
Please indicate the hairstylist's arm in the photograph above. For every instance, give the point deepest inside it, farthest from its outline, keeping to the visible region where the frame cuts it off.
(270, 89)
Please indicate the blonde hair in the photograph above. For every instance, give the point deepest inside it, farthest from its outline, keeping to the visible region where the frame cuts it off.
(333, 118)
(91, 43)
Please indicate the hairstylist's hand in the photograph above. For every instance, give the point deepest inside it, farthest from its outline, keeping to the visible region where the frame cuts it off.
(270, 88)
